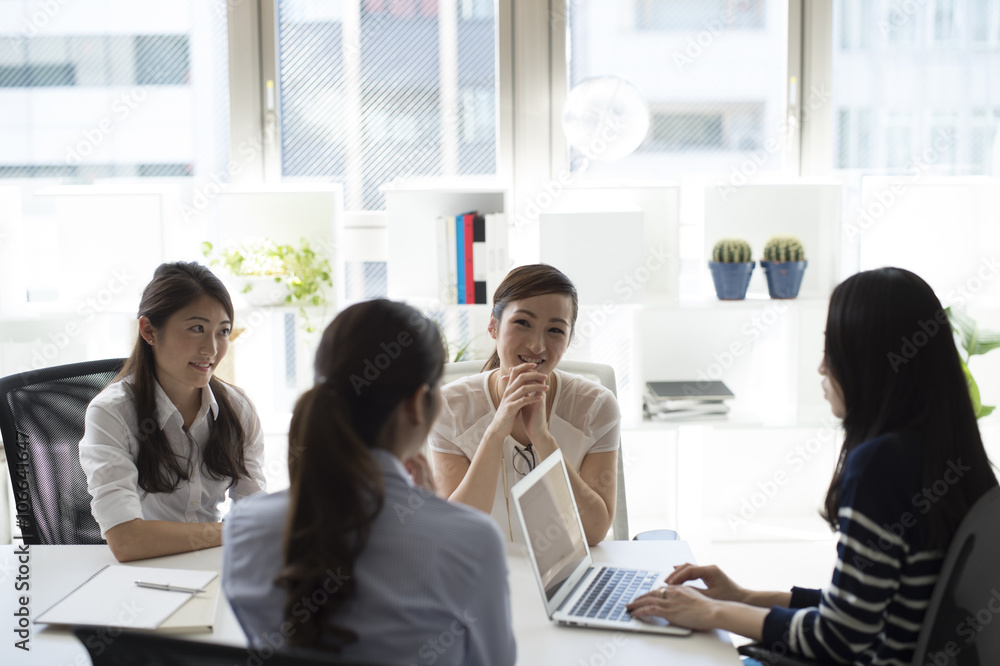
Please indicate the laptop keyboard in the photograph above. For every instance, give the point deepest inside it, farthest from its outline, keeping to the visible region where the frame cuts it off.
(610, 590)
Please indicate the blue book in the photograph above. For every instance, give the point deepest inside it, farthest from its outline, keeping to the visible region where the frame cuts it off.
(460, 256)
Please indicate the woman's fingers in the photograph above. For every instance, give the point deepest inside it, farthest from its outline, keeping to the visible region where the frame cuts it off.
(683, 573)
(676, 603)
(529, 377)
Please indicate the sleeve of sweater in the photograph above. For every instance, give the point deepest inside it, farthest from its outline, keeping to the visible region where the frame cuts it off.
(803, 597)
(844, 619)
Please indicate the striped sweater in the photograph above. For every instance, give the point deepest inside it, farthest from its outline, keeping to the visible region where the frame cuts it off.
(872, 610)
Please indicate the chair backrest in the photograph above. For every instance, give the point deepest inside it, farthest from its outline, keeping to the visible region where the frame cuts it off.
(143, 649)
(598, 372)
(41, 423)
(960, 626)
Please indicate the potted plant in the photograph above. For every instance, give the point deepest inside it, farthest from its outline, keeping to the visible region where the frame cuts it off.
(784, 263)
(975, 341)
(731, 267)
(269, 274)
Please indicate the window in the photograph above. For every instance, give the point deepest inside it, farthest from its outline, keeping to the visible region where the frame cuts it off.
(113, 94)
(695, 15)
(944, 132)
(715, 90)
(890, 109)
(986, 22)
(945, 22)
(378, 90)
(899, 25)
(854, 138)
(732, 129)
(898, 138)
(983, 125)
(855, 24)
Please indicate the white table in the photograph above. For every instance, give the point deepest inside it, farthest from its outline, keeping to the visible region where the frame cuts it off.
(55, 570)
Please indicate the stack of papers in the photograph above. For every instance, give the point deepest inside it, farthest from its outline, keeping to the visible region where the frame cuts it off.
(695, 399)
(111, 598)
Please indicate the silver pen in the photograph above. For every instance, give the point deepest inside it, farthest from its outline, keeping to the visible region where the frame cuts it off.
(168, 587)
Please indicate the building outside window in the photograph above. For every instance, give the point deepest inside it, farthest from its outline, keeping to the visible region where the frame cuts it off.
(392, 90)
(89, 93)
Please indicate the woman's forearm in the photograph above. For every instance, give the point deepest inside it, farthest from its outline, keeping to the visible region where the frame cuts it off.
(595, 514)
(141, 539)
(764, 599)
(478, 487)
(740, 619)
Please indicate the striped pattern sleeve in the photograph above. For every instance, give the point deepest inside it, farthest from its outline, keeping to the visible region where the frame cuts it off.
(872, 609)
(804, 598)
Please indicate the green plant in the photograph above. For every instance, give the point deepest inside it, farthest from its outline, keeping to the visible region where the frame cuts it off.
(784, 248)
(305, 274)
(975, 341)
(732, 251)
(460, 352)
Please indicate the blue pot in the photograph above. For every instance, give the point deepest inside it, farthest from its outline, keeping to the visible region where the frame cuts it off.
(731, 280)
(784, 277)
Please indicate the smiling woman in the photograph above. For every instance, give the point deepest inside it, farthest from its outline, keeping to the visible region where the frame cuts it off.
(166, 441)
(495, 426)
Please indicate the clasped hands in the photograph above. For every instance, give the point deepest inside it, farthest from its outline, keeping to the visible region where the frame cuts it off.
(522, 395)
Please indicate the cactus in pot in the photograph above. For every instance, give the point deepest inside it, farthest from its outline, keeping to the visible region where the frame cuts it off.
(731, 265)
(732, 251)
(784, 248)
(784, 264)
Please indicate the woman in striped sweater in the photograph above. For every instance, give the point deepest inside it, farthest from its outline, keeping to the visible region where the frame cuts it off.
(911, 465)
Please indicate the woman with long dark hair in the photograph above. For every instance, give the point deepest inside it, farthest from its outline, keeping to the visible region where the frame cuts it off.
(911, 466)
(359, 555)
(496, 425)
(165, 442)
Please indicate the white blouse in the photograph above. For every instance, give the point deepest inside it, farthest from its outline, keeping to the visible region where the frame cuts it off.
(109, 450)
(585, 419)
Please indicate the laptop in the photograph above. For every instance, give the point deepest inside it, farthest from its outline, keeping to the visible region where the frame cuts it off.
(575, 591)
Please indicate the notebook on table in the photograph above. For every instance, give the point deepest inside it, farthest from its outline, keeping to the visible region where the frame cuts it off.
(111, 598)
(575, 591)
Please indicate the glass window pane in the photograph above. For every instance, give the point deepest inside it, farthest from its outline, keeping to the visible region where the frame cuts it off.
(711, 72)
(891, 107)
(90, 93)
(373, 90)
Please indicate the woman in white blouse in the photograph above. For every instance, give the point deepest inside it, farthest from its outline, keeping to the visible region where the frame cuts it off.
(166, 441)
(496, 426)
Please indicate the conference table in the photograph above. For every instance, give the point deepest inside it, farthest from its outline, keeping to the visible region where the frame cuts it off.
(52, 571)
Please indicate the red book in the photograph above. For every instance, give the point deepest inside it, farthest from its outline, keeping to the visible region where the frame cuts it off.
(470, 283)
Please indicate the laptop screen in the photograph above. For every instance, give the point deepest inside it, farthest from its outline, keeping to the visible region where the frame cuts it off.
(553, 529)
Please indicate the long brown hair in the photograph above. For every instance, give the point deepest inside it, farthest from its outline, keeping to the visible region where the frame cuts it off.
(872, 316)
(373, 356)
(526, 282)
(175, 286)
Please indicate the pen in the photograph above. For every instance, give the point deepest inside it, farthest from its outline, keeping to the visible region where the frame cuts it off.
(168, 587)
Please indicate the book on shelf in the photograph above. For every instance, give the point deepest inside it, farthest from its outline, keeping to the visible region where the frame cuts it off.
(480, 258)
(719, 412)
(689, 390)
(686, 400)
(472, 256)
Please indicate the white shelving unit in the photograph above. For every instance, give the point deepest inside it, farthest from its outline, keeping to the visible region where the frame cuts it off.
(412, 211)
(413, 208)
(807, 209)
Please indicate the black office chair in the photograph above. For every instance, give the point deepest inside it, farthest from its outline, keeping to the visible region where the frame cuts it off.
(969, 583)
(968, 586)
(128, 648)
(41, 423)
